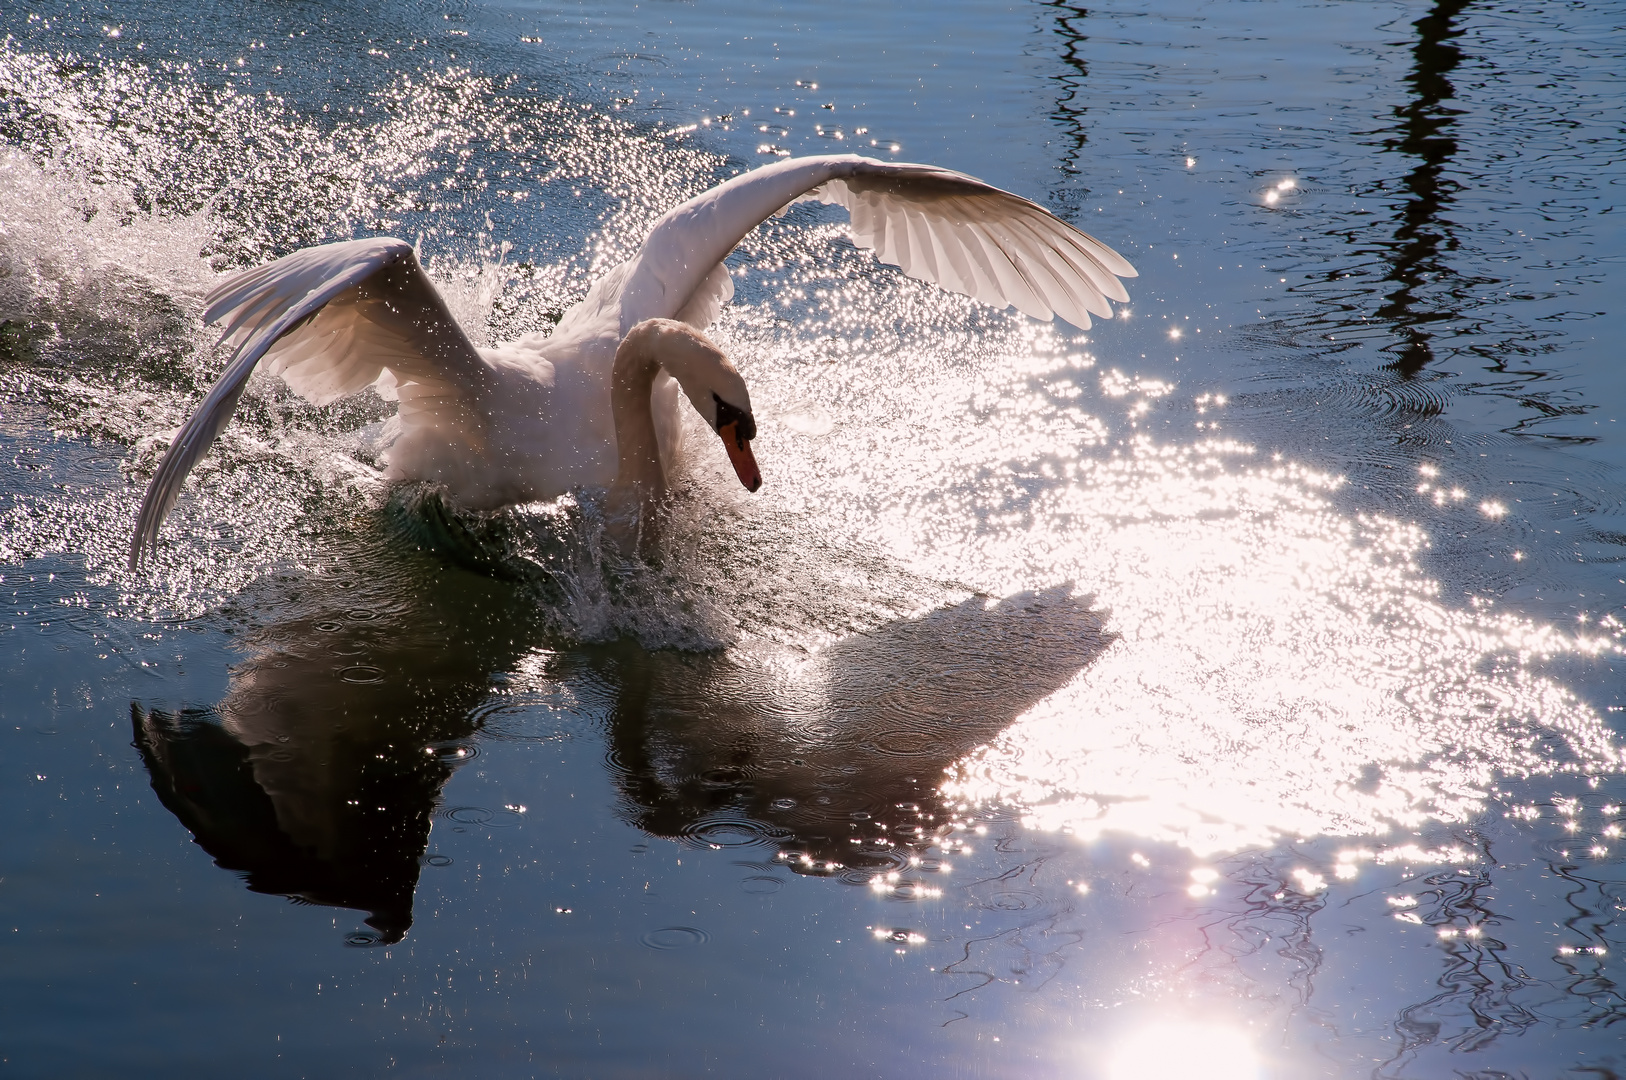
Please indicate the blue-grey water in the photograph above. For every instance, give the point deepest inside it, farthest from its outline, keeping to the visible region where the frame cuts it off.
(1228, 690)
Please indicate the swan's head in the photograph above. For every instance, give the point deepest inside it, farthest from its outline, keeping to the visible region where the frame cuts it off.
(710, 381)
(736, 427)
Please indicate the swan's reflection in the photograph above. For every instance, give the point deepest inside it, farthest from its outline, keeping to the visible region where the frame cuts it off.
(837, 764)
(317, 776)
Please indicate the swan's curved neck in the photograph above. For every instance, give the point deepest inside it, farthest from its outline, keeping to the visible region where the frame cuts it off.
(632, 380)
(712, 385)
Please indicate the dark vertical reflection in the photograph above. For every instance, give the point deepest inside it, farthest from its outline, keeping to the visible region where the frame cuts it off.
(1487, 991)
(1071, 106)
(1424, 132)
(1476, 999)
(1593, 899)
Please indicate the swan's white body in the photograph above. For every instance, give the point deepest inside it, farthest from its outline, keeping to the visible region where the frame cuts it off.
(533, 419)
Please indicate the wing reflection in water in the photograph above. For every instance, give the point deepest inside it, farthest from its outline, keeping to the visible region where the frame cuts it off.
(838, 763)
(317, 776)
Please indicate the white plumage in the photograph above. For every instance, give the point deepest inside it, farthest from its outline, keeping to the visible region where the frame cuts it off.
(533, 419)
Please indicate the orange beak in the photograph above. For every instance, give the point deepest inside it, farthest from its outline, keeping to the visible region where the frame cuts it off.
(739, 453)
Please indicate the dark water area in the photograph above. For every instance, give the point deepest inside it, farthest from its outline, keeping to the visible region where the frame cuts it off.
(1229, 689)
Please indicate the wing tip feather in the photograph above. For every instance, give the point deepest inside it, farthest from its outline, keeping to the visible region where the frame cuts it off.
(885, 197)
(287, 309)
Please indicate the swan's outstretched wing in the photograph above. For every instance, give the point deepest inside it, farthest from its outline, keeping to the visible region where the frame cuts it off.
(329, 320)
(936, 224)
(972, 238)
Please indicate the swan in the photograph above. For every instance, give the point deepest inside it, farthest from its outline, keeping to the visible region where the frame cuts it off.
(595, 404)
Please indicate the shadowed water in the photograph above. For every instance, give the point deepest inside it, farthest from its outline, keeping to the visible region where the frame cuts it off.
(1230, 688)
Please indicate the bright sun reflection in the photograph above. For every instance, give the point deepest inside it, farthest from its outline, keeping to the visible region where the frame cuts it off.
(1169, 1050)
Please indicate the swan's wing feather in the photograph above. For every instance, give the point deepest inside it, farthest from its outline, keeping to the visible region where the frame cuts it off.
(708, 299)
(936, 224)
(973, 238)
(329, 320)
(199, 432)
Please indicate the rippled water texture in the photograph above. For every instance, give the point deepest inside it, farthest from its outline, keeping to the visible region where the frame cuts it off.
(1229, 687)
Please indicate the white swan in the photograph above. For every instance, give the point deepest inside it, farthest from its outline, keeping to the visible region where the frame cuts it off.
(539, 416)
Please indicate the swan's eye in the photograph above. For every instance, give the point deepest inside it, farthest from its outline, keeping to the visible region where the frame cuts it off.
(745, 427)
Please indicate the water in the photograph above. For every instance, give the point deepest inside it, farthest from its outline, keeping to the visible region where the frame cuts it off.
(1228, 689)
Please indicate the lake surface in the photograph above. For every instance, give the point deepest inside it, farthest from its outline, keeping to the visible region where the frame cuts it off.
(1229, 690)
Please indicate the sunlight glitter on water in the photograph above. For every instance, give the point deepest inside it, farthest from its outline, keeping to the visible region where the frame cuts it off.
(1281, 665)
(1281, 669)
